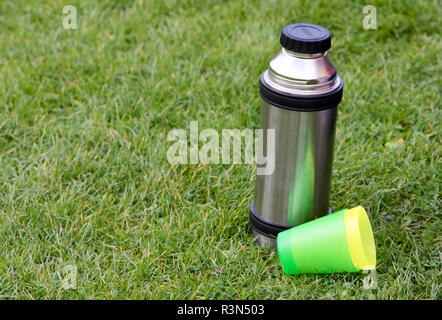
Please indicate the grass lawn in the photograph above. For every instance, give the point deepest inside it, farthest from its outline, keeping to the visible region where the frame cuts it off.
(87, 193)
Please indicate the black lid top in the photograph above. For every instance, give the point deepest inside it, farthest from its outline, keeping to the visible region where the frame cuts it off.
(305, 38)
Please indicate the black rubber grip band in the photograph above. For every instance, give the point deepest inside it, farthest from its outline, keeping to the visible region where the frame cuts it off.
(263, 227)
(308, 103)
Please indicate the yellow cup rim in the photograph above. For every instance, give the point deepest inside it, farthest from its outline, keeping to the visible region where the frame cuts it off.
(360, 240)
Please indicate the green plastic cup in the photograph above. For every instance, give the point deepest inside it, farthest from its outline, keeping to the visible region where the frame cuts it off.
(340, 242)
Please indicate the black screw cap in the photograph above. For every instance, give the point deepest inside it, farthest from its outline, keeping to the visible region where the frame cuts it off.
(305, 38)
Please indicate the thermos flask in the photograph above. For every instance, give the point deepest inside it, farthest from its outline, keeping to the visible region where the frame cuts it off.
(300, 94)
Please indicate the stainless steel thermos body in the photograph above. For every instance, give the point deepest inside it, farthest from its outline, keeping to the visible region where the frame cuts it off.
(300, 94)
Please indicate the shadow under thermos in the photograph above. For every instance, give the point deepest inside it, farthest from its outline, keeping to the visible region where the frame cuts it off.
(300, 94)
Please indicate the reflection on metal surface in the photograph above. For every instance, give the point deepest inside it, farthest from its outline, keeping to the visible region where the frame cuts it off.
(302, 74)
(298, 190)
(301, 193)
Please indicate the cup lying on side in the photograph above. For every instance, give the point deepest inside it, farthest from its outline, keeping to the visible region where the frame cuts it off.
(340, 242)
